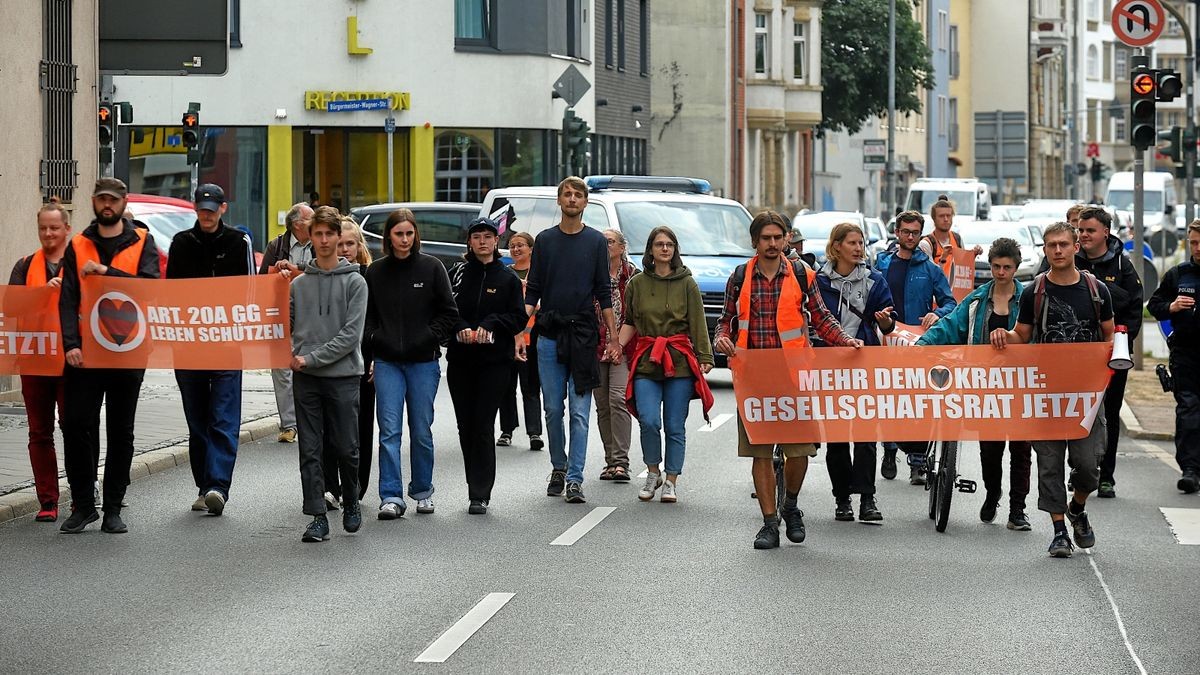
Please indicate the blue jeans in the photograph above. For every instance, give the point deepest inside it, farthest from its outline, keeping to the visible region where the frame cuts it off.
(415, 385)
(663, 403)
(557, 386)
(212, 406)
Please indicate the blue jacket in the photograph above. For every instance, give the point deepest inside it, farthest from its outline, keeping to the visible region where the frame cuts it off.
(967, 324)
(926, 282)
(864, 290)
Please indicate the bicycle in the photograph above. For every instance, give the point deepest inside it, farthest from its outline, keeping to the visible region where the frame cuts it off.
(780, 481)
(940, 464)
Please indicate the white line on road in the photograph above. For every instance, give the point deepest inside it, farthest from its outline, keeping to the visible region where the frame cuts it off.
(445, 646)
(1184, 523)
(585, 525)
(716, 422)
(1155, 452)
(1116, 613)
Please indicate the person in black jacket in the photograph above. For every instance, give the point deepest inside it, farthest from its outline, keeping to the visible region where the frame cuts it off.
(491, 312)
(212, 399)
(1103, 254)
(1175, 299)
(410, 313)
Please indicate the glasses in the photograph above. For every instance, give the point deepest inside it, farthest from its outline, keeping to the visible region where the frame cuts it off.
(908, 233)
(664, 244)
(614, 242)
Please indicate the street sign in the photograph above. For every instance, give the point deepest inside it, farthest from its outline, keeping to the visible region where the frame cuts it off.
(1137, 23)
(152, 37)
(1093, 149)
(389, 125)
(360, 104)
(571, 85)
(874, 153)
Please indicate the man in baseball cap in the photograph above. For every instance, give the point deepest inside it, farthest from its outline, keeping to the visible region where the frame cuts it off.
(209, 197)
(482, 224)
(112, 187)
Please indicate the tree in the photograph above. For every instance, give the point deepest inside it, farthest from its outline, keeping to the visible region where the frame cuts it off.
(854, 62)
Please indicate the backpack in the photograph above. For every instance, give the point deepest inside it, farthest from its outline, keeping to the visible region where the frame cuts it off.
(1041, 309)
(936, 248)
(799, 268)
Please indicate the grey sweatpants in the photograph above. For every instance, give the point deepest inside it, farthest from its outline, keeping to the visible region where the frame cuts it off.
(281, 380)
(328, 408)
(1083, 456)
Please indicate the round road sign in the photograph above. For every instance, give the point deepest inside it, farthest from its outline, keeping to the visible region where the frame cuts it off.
(1137, 23)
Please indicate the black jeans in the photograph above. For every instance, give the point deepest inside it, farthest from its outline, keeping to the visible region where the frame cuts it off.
(366, 443)
(86, 390)
(525, 373)
(848, 476)
(991, 458)
(326, 416)
(1186, 370)
(476, 390)
(1114, 397)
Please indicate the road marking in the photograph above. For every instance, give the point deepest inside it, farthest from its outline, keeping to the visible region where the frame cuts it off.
(1116, 613)
(445, 646)
(644, 473)
(585, 525)
(1155, 452)
(1184, 523)
(716, 422)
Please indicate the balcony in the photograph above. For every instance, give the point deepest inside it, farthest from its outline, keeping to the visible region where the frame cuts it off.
(1050, 33)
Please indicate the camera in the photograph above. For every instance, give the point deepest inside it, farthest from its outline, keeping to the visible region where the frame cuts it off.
(1164, 377)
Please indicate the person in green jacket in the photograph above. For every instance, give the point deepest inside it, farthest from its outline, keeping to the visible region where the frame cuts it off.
(672, 352)
(992, 305)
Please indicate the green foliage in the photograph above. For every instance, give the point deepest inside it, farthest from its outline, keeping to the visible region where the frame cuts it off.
(854, 62)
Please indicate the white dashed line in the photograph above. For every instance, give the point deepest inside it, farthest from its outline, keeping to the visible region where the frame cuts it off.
(716, 422)
(585, 525)
(1185, 524)
(445, 646)
(1116, 613)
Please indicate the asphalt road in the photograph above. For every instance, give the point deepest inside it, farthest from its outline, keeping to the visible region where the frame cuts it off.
(651, 588)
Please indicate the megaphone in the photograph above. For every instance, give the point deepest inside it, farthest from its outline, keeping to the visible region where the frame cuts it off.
(1120, 354)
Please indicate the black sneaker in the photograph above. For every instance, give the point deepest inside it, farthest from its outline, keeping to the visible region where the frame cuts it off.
(78, 520)
(504, 441)
(317, 530)
(575, 493)
(768, 536)
(1189, 483)
(844, 511)
(113, 524)
(888, 468)
(868, 510)
(916, 476)
(478, 507)
(987, 513)
(351, 516)
(1060, 546)
(1107, 490)
(535, 442)
(558, 482)
(1017, 521)
(1085, 537)
(793, 518)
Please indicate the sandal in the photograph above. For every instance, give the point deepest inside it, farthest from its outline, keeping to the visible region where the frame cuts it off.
(620, 474)
(607, 473)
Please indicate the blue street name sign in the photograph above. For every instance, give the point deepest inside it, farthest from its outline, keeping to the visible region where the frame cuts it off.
(361, 104)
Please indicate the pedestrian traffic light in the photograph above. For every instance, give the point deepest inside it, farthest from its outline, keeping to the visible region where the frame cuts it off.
(1170, 144)
(107, 122)
(1097, 170)
(1143, 88)
(191, 130)
(575, 140)
(1167, 85)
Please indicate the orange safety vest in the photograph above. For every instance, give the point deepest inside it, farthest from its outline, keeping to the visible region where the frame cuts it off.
(35, 275)
(126, 260)
(789, 316)
(943, 256)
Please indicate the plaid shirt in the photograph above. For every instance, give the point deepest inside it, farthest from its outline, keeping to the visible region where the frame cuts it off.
(764, 303)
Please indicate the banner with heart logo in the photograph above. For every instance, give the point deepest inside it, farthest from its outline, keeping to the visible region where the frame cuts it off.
(30, 340)
(904, 393)
(223, 323)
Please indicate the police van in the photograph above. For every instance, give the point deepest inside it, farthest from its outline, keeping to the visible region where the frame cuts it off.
(714, 233)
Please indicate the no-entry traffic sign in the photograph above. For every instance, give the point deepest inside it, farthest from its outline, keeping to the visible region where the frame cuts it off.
(1137, 23)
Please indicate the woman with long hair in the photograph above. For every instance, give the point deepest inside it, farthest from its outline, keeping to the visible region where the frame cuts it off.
(616, 425)
(410, 313)
(672, 353)
(525, 372)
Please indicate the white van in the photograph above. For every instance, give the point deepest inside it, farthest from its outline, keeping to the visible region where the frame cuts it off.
(971, 197)
(1159, 204)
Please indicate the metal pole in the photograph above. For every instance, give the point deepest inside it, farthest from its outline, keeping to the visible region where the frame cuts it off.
(391, 129)
(1139, 235)
(891, 139)
(1189, 149)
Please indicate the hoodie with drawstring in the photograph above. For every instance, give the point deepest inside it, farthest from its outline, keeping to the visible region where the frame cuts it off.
(665, 306)
(854, 298)
(329, 308)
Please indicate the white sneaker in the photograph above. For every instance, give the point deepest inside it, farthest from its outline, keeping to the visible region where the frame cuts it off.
(425, 505)
(668, 492)
(653, 482)
(214, 502)
(390, 511)
(332, 503)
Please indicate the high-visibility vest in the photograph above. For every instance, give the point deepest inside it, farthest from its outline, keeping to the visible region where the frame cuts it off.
(35, 275)
(789, 315)
(126, 260)
(943, 256)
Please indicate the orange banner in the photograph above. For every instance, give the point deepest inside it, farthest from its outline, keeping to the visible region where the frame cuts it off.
(903, 335)
(962, 279)
(223, 323)
(30, 340)
(838, 394)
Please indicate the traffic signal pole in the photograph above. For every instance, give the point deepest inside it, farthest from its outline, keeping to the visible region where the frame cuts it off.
(1189, 147)
(1139, 62)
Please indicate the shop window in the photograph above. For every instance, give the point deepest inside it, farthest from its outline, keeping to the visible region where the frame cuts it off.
(463, 170)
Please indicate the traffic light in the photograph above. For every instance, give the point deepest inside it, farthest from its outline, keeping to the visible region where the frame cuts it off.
(1143, 94)
(191, 130)
(1097, 170)
(575, 140)
(107, 124)
(1168, 85)
(1171, 144)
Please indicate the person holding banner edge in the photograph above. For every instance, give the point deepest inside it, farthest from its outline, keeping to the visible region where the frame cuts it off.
(991, 306)
(770, 303)
(109, 246)
(1065, 305)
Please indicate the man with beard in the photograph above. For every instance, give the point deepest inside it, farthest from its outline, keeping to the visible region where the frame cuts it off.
(109, 246)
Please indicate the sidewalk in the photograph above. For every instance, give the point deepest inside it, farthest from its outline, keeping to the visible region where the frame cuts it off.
(1149, 412)
(160, 436)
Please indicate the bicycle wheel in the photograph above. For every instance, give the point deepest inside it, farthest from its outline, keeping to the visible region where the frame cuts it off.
(780, 483)
(947, 477)
(931, 486)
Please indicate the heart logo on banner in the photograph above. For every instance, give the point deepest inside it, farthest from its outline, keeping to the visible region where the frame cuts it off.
(940, 377)
(118, 319)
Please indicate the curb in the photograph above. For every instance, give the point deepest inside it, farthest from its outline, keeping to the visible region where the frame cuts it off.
(154, 460)
(1133, 428)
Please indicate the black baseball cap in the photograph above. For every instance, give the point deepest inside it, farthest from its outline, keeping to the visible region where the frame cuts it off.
(209, 197)
(482, 223)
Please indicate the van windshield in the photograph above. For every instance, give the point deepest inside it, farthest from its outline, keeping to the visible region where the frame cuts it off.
(1122, 200)
(702, 228)
(923, 200)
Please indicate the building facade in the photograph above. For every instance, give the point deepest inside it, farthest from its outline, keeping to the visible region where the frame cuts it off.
(620, 144)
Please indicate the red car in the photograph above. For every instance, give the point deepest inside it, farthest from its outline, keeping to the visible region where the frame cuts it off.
(166, 217)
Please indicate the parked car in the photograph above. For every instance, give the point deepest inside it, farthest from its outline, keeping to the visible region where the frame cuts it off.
(1045, 211)
(1006, 213)
(984, 233)
(817, 226)
(878, 239)
(443, 226)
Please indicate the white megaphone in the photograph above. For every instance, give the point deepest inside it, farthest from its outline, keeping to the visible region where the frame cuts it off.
(1120, 354)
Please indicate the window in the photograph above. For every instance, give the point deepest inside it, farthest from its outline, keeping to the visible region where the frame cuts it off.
(59, 170)
(621, 35)
(472, 21)
(943, 29)
(1119, 129)
(762, 45)
(644, 36)
(799, 52)
(574, 28)
(1108, 52)
(608, 33)
(235, 24)
(954, 52)
(1120, 64)
(1093, 63)
(942, 112)
(1093, 10)
(952, 120)
(462, 168)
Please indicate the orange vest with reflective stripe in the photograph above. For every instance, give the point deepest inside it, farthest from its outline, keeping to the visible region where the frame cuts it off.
(35, 275)
(943, 255)
(789, 316)
(126, 260)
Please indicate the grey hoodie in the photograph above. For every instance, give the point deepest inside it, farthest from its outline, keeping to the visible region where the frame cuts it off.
(328, 311)
(852, 291)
